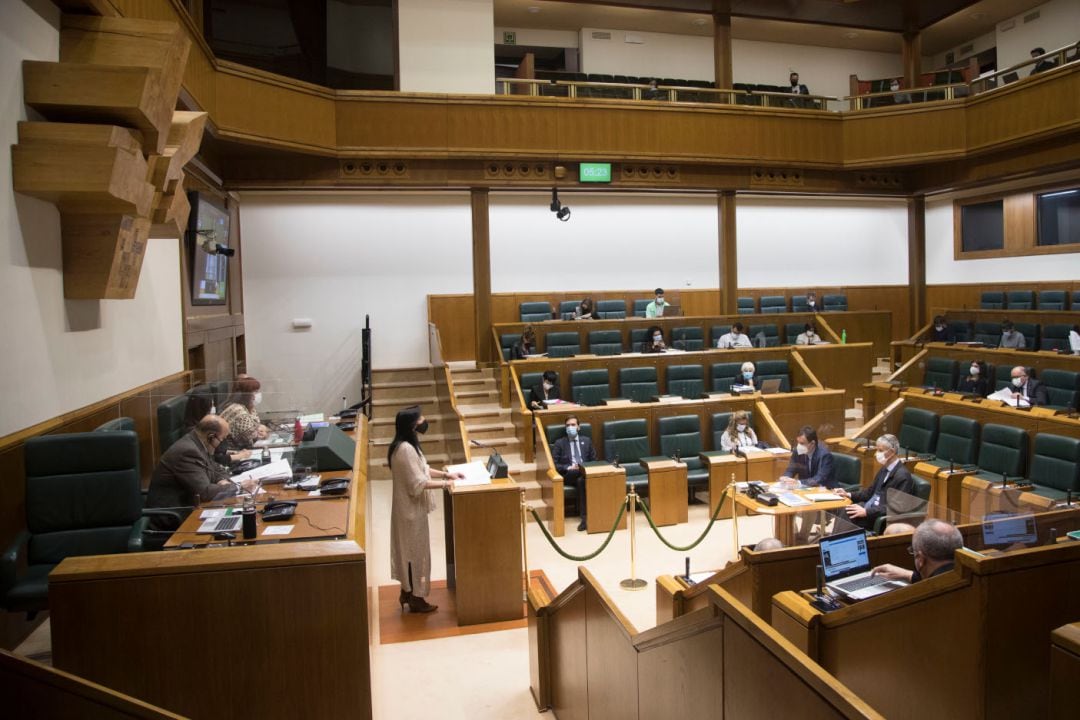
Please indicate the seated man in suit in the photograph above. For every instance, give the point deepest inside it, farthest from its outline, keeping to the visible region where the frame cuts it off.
(187, 474)
(734, 338)
(811, 462)
(1027, 388)
(568, 453)
(1042, 65)
(655, 309)
(548, 389)
(940, 331)
(869, 503)
(808, 336)
(934, 544)
(1011, 338)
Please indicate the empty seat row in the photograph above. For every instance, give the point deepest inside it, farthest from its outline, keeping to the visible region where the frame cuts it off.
(1062, 386)
(641, 384)
(1030, 300)
(779, 304)
(1036, 337)
(538, 311)
(996, 450)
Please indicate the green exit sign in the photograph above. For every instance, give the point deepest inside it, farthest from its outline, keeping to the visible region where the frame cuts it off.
(595, 172)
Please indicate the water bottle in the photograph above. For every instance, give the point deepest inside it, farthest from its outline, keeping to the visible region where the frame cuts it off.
(249, 521)
(266, 456)
(843, 337)
(298, 431)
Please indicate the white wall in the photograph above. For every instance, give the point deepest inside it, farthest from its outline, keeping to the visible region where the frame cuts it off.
(825, 71)
(942, 269)
(538, 37)
(806, 242)
(360, 38)
(979, 44)
(661, 55)
(446, 46)
(334, 259)
(1058, 25)
(611, 242)
(61, 355)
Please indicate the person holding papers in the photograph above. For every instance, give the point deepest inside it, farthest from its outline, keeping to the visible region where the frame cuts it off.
(808, 336)
(655, 309)
(738, 433)
(187, 475)
(811, 462)
(1025, 388)
(547, 389)
(525, 346)
(934, 546)
(410, 545)
(734, 338)
(869, 503)
(568, 453)
(239, 412)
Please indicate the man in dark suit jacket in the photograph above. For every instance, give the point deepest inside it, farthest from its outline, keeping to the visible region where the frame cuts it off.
(568, 453)
(1027, 388)
(187, 474)
(811, 462)
(870, 503)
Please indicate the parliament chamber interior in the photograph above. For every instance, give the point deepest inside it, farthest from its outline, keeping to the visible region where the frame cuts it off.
(734, 349)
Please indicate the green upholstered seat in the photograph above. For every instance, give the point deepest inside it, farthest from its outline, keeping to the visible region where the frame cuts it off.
(1002, 451)
(847, 471)
(221, 389)
(918, 431)
(1055, 466)
(638, 383)
(589, 387)
(993, 300)
(562, 344)
(605, 342)
(554, 431)
(715, 332)
(799, 304)
(637, 338)
(724, 374)
(507, 342)
(82, 498)
(1002, 375)
(120, 424)
(988, 333)
(640, 306)
(534, 311)
(1051, 300)
(1055, 337)
(1074, 300)
(957, 441)
(1062, 388)
(940, 373)
(567, 308)
(1021, 299)
(627, 441)
(1030, 331)
(774, 304)
(962, 329)
(834, 303)
(775, 370)
(688, 338)
(610, 309)
(686, 380)
(768, 330)
(201, 401)
(170, 421)
(720, 422)
(681, 436)
(792, 332)
(746, 306)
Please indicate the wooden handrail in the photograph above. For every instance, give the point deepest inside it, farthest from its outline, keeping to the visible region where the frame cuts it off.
(765, 414)
(900, 371)
(870, 425)
(821, 322)
(1058, 54)
(801, 362)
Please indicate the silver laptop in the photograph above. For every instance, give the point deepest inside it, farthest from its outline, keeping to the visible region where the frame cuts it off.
(770, 386)
(845, 562)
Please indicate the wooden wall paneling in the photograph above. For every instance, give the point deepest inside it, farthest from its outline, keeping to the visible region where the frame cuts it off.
(728, 254)
(823, 410)
(697, 302)
(1064, 670)
(1016, 115)
(722, 48)
(916, 217)
(904, 135)
(968, 297)
(678, 675)
(569, 657)
(455, 317)
(612, 661)
(481, 272)
(1019, 212)
(842, 367)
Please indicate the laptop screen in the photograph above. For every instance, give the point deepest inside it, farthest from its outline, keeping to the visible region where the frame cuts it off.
(1007, 529)
(844, 554)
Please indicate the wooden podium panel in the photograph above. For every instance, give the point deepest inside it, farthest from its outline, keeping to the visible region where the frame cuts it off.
(668, 491)
(724, 468)
(945, 486)
(486, 552)
(605, 492)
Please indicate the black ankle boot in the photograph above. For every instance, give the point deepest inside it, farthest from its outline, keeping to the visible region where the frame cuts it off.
(420, 605)
(404, 598)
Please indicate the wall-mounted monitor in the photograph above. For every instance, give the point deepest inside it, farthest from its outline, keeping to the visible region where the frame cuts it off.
(208, 226)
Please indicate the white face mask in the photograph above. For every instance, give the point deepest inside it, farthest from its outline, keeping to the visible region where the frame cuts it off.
(659, 301)
(657, 338)
(801, 449)
(741, 427)
(258, 398)
(1018, 382)
(880, 457)
(547, 385)
(939, 328)
(974, 369)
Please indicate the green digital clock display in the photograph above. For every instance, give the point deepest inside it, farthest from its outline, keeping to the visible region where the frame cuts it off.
(595, 172)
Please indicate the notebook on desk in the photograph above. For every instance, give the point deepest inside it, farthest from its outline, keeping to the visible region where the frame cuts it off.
(845, 562)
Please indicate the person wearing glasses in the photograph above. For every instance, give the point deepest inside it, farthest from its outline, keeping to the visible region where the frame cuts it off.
(933, 546)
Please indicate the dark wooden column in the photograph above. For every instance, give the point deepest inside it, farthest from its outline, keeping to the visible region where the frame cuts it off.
(481, 273)
(722, 42)
(912, 57)
(729, 260)
(916, 219)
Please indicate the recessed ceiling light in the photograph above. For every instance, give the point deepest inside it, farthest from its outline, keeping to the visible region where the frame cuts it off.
(978, 15)
(698, 21)
(851, 35)
(534, 9)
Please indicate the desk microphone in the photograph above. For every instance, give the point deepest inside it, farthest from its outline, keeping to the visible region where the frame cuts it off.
(739, 452)
(950, 467)
(687, 568)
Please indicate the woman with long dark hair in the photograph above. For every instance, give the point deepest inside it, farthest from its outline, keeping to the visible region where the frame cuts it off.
(410, 545)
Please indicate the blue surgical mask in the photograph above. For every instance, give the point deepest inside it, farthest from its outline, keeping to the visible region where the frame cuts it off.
(748, 375)
(571, 431)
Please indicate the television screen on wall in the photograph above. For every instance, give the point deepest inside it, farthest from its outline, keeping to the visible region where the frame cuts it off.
(208, 227)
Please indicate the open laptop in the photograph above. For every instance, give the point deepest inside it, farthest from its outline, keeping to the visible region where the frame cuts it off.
(770, 386)
(845, 562)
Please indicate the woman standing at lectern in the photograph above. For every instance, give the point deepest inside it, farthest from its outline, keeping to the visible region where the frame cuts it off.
(410, 546)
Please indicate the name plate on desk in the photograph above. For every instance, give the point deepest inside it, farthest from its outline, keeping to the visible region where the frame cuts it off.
(1043, 412)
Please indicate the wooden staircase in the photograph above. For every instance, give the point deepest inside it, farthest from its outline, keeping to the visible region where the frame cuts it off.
(393, 390)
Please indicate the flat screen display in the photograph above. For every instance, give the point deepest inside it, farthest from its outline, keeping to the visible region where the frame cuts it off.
(209, 273)
(594, 172)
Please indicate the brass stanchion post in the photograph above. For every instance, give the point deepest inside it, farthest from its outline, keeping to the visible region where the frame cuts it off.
(633, 582)
(734, 515)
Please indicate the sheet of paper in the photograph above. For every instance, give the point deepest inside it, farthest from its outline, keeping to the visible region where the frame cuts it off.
(214, 513)
(779, 451)
(314, 417)
(279, 469)
(278, 530)
(1006, 395)
(475, 473)
(822, 497)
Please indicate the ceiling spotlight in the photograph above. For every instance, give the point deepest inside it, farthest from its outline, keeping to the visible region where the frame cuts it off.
(561, 212)
(851, 35)
(533, 9)
(698, 21)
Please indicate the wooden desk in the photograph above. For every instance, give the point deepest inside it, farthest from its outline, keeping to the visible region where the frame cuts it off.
(784, 516)
(327, 518)
(725, 469)
(945, 486)
(1064, 671)
(604, 494)
(483, 551)
(668, 491)
(979, 498)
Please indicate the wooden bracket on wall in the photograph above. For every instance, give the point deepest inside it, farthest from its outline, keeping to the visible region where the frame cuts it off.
(112, 157)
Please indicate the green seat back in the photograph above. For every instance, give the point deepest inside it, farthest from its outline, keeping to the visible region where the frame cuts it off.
(746, 306)
(610, 309)
(1002, 375)
(834, 303)
(686, 380)
(724, 374)
(534, 311)
(992, 300)
(918, 431)
(170, 421)
(847, 470)
(773, 304)
(1021, 299)
(1062, 388)
(637, 337)
(589, 387)
(940, 373)
(1051, 300)
(507, 342)
(605, 342)
(720, 422)
(1074, 300)
(530, 380)
(792, 332)
(1055, 462)
(769, 331)
(1030, 331)
(1055, 337)
(691, 338)
(554, 431)
(682, 435)
(562, 344)
(775, 370)
(958, 440)
(988, 333)
(568, 307)
(640, 306)
(1002, 450)
(638, 383)
(799, 304)
(921, 487)
(961, 329)
(221, 390)
(119, 424)
(627, 440)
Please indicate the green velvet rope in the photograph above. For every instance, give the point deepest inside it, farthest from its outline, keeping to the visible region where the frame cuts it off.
(580, 558)
(691, 546)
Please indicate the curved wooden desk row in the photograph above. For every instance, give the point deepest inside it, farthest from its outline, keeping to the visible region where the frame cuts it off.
(904, 350)
(210, 632)
(587, 660)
